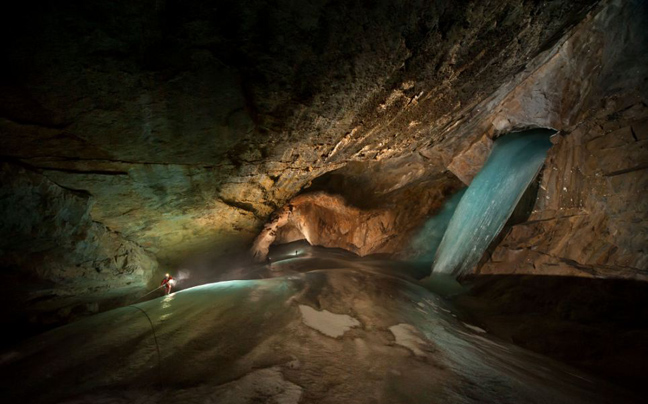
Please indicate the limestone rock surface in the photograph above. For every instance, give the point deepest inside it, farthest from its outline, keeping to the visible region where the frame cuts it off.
(185, 125)
(377, 211)
(590, 216)
(189, 123)
(53, 253)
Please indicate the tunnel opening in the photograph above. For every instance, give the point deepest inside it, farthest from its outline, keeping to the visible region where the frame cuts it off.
(367, 208)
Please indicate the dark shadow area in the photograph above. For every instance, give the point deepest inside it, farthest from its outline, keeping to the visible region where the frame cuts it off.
(369, 185)
(32, 306)
(597, 325)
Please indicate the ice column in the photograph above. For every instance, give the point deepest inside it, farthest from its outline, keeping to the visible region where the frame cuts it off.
(490, 199)
(427, 240)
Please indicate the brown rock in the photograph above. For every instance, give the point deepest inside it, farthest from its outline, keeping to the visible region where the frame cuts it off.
(467, 164)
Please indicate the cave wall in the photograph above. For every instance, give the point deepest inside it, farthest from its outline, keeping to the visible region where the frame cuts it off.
(590, 215)
(50, 232)
(189, 123)
(589, 218)
(177, 127)
(53, 252)
(365, 208)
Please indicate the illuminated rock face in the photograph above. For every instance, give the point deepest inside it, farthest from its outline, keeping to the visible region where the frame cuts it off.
(189, 125)
(327, 220)
(376, 214)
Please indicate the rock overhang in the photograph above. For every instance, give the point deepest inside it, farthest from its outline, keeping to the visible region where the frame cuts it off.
(169, 119)
(189, 126)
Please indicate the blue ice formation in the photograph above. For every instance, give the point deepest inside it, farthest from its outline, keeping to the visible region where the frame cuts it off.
(515, 161)
(427, 240)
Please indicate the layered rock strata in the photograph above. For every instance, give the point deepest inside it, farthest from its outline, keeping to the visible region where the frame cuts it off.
(190, 124)
(187, 125)
(53, 253)
(590, 217)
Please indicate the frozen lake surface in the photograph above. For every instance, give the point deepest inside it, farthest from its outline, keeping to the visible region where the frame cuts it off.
(328, 328)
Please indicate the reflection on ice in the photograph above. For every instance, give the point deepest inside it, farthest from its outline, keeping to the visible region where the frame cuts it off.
(361, 330)
(166, 300)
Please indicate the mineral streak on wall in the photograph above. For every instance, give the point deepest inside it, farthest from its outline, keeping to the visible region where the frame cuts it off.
(490, 199)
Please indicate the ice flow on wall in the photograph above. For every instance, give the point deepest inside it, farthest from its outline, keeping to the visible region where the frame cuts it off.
(490, 199)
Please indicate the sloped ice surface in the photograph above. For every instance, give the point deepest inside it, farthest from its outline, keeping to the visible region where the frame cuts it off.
(428, 238)
(490, 199)
(248, 342)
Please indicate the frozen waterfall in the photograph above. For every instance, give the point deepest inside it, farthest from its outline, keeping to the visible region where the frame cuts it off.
(427, 240)
(490, 199)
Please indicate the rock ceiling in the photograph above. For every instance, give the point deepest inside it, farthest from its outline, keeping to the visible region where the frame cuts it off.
(187, 124)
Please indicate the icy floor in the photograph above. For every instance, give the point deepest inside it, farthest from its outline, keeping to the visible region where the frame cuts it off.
(347, 333)
(333, 325)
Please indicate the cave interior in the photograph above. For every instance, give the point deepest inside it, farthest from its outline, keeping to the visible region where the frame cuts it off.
(363, 201)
